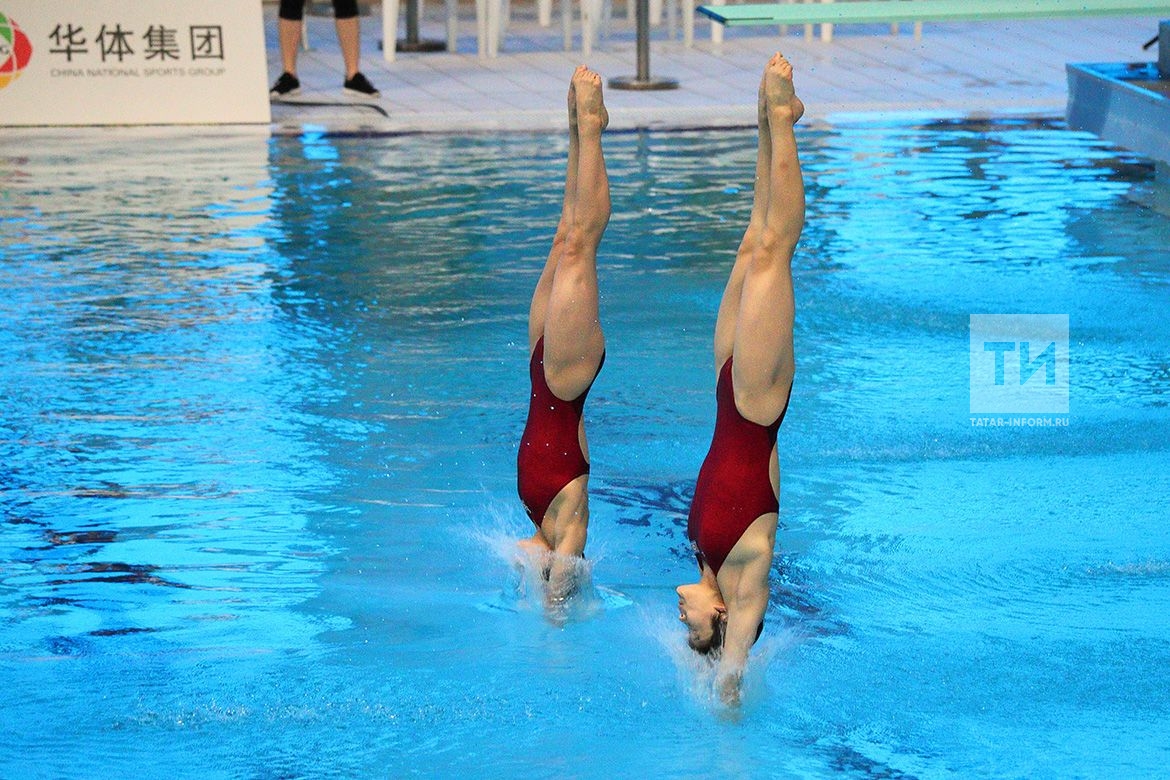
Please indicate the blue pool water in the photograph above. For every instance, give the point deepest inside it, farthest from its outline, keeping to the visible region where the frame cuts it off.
(258, 414)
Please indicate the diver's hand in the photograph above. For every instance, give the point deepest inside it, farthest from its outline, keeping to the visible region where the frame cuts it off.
(729, 684)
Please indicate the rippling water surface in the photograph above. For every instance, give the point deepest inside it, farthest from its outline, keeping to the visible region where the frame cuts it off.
(258, 410)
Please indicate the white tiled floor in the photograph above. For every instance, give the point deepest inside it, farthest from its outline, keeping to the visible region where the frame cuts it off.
(986, 68)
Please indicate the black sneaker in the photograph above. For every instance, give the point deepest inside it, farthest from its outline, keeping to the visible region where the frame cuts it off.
(360, 85)
(286, 85)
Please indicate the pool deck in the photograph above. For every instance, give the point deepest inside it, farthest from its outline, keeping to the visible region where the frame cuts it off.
(962, 69)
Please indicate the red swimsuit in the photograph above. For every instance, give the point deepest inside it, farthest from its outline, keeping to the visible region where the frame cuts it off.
(734, 486)
(550, 451)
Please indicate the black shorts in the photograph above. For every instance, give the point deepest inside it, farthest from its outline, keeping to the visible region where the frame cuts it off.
(294, 10)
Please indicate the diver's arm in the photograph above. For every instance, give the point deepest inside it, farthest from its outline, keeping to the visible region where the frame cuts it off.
(746, 597)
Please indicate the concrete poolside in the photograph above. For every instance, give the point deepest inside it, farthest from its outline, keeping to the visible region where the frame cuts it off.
(967, 69)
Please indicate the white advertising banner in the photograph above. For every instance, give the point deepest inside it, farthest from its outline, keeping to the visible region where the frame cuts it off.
(132, 62)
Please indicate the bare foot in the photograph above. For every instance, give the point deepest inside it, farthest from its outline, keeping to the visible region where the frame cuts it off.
(779, 91)
(573, 98)
(590, 105)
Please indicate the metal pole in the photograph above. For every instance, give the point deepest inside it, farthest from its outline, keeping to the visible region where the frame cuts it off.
(642, 80)
(412, 41)
(1164, 49)
(412, 21)
(642, 23)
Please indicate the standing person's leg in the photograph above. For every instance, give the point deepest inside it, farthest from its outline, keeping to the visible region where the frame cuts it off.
(573, 341)
(764, 362)
(288, 31)
(349, 38)
(290, 42)
(345, 17)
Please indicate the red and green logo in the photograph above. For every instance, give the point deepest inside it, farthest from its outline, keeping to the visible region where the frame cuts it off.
(15, 50)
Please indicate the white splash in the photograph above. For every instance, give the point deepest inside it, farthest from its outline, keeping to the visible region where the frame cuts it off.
(698, 674)
(526, 573)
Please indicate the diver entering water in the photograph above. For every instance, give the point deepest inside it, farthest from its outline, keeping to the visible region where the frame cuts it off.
(735, 511)
(566, 351)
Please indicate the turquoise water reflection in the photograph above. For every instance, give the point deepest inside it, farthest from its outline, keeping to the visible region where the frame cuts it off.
(260, 406)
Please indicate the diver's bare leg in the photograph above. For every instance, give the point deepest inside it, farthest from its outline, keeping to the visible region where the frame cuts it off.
(573, 341)
(537, 310)
(764, 362)
(729, 305)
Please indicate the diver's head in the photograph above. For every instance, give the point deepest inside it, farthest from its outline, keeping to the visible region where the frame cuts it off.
(702, 611)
